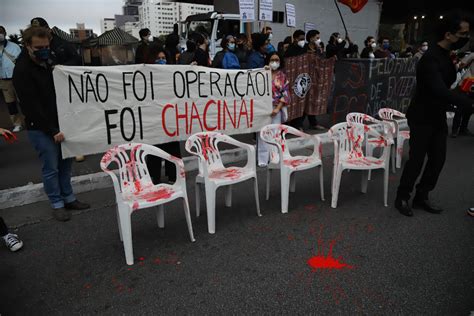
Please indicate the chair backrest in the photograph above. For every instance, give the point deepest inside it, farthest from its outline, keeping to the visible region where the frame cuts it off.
(275, 134)
(388, 114)
(204, 145)
(355, 117)
(132, 168)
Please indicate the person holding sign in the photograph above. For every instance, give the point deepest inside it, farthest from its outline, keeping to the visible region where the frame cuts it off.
(337, 47)
(34, 84)
(281, 98)
(269, 32)
(435, 73)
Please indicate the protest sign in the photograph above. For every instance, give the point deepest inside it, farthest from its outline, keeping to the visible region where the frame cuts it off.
(290, 15)
(99, 107)
(247, 10)
(266, 10)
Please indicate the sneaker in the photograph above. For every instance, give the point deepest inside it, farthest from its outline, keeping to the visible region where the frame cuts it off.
(13, 242)
(17, 128)
(80, 158)
(60, 214)
(76, 205)
(471, 211)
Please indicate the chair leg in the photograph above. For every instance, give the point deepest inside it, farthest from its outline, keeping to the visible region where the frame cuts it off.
(126, 225)
(228, 196)
(267, 189)
(257, 200)
(118, 221)
(385, 185)
(197, 188)
(293, 183)
(393, 159)
(285, 190)
(160, 216)
(211, 208)
(364, 180)
(370, 153)
(321, 182)
(337, 183)
(187, 214)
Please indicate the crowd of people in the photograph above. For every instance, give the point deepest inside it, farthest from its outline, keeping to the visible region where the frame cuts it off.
(27, 76)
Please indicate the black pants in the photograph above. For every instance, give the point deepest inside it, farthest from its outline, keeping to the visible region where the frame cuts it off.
(3, 228)
(154, 163)
(425, 140)
(299, 122)
(461, 119)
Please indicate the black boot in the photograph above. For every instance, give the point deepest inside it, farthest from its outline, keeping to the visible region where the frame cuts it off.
(403, 207)
(422, 202)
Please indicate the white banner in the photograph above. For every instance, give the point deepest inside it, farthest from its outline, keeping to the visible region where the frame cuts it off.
(266, 10)
(247, 10)
(99, 107)
(290, 15)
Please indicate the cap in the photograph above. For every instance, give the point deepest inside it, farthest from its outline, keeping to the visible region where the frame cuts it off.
(39, 22)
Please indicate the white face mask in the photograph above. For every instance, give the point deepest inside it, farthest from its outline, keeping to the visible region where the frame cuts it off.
(150, 38)
(317, 42)
(274, 65)
(424, 48)
(373, 45)
(270, 36)
(339, 40)
(301, 43)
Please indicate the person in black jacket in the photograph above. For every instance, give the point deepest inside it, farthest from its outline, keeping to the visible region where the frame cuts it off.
(435, 73)
(370, 45)
(298, 46)
(337, 47)
(142, 54)
(33, 81)
(242, 50)
(201, 56)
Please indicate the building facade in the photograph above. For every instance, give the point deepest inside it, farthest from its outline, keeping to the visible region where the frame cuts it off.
(107, 24)
(81, 32)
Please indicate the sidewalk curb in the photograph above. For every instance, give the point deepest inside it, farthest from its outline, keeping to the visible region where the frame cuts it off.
(32, 193)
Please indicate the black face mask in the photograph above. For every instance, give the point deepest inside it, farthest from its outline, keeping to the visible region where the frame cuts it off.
(460, 43)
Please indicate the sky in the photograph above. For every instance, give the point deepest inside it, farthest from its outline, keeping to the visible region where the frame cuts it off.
(16, 14)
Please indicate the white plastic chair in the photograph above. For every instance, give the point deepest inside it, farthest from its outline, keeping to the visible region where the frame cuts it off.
(134, 189)
(399, 121)
(213, 174)
(275, 135)
(348, 154)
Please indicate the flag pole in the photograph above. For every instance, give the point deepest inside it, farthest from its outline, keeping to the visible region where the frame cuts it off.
(340, 14)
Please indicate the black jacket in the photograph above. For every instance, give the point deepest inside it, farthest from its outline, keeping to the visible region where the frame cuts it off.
(339, 50)
(366, 51)
(143, 53)
(201, 57)
(34, 86)
(295, 50)
(63, 52)
(435, 73)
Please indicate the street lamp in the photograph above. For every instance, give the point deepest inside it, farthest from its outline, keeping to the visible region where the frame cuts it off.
(440, 17)
(415, 17)
(422, 16)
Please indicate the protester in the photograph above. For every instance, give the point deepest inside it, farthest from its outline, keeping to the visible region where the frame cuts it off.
(383, 51)
(201, 56)
(463, 115)
(242, 50)
(337, 47)
(281, 99)
(158, 56)
(256, 58)
(313, 37)
(142, 54)
(9, 53)
(33, 81)
(408, 53)
(426, 115)
(172, 48)
(298, 46)
(370, 45)
(421, 50)
(230, 60)
(283, 46)
(187, 57)
(269, 32)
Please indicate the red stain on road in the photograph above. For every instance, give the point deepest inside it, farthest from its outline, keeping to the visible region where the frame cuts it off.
(327, 262)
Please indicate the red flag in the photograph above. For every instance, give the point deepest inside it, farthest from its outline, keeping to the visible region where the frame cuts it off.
(355, 5)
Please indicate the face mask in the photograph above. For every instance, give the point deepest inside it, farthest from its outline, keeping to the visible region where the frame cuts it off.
(424, 48)
(270, 36)
(301, 43)
(385, 45)
(150, 38)
(2, 37)
(42, 54)
(317, 42)
(339, 40)
(231, 46)
(460, 43)
(274, 65)
(160, 61)
(373, 45)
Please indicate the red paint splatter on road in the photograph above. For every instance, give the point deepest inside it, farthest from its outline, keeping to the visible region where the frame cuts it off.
(326, 262)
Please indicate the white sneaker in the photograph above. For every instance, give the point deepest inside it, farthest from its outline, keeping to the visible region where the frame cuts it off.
(262, 165)
(13, 242)
(17, 128)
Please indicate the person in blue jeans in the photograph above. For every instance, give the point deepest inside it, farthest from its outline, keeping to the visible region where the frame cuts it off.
(33, 81)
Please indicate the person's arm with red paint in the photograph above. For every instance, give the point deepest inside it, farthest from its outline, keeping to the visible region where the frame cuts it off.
(9, 136)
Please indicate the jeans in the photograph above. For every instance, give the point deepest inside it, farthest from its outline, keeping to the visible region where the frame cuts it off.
(56, 171)
(3, 228)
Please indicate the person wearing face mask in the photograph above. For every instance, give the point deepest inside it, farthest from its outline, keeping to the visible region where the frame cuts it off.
(313, 37)
(230, 60)
(256, 58)
(268, 31)
(370, 45)
(33, 82)
(242, 50)
(281, 99)
(298, 46)
(422, 50)
(337, 47)
(142, 54)
(384, 49)
(9, 53)
(160, 58)
(426, 114)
